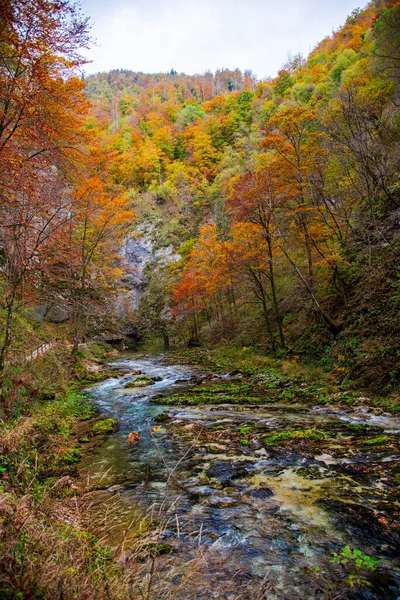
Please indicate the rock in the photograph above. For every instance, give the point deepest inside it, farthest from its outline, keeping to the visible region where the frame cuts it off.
(53, 314)
(162, 418)
(221, 501)
(261, 492)
(261, 452)
(140, 381)
(226, 472)
(363, 523)
(104, 426)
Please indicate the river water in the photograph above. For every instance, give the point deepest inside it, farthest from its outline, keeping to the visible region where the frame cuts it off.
(242, 519)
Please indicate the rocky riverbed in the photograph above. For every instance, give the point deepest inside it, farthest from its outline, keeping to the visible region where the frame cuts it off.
(246, 484)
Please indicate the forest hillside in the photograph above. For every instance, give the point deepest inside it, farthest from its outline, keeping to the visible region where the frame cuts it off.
(280, 198)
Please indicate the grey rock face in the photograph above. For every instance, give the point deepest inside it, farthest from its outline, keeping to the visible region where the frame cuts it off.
(139, 255)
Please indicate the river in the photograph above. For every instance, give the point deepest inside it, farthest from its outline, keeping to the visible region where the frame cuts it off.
(243, 519)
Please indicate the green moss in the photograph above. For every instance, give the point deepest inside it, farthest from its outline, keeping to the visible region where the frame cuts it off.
(351, 427)
(245, 429)
(301, 434)
(158, 549)
(71, 456)
(104, 426)
(244, 442)
(83, 440)
(381, 439)
(194, 399)
(232, 389)
(140, 381)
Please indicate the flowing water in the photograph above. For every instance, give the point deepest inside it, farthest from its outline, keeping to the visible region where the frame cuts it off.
(251, 521)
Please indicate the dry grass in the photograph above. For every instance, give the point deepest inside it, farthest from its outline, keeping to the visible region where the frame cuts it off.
(11, 437)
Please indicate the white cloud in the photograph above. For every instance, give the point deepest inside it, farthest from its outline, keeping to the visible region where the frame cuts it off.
(192, 36)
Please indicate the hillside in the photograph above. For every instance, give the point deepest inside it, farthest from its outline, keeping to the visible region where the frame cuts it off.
(281, 197)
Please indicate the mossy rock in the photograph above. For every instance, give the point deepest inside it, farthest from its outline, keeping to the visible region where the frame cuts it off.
(83, 440)
(162, 418)
(94, 377)
(302, 434)
(104, 426)
(141, 381)
(245, 429)
(381, 439)
(189, 399)
(86, 416)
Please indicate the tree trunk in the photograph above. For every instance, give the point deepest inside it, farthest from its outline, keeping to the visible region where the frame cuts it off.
(6, 342)
(166, 341)
(260, 294)
(275, 303)
(7, 333)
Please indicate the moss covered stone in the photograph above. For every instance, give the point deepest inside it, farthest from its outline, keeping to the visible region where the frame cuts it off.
(141, 381)
(381, 439)
(301, 434)
(104, 426)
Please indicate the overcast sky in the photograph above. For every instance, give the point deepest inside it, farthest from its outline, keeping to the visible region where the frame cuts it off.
(192, 36)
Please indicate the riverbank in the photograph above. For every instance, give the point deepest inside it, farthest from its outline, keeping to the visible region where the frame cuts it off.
(311, 383)
(45, 549)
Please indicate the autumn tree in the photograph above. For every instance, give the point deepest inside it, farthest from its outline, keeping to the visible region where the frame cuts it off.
(101, 218)
(294, 137)
(41, 111)
(255, 198)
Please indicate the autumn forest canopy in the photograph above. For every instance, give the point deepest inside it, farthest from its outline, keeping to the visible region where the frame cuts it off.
(271, 207)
